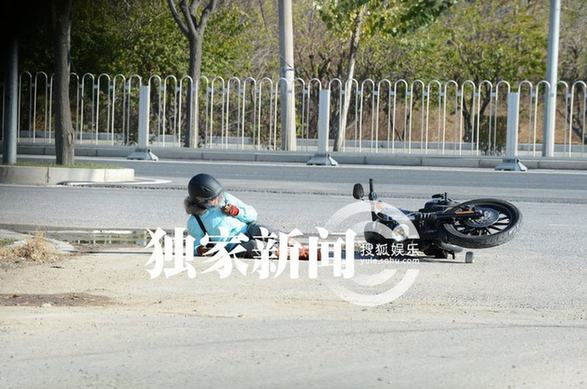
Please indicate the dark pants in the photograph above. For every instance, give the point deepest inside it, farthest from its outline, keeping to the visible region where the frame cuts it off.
(254, 233)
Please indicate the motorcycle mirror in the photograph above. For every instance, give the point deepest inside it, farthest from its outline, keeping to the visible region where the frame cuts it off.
(358, 191)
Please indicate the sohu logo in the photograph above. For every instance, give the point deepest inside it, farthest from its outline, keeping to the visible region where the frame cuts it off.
(366, 289)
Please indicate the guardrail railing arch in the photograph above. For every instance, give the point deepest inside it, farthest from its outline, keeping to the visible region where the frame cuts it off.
(267, 121)
(455, 102)
(20, 94)
(545, 91)
(582, 109)
(313, 97)
(393, 116)
(115, 99)
(132, 118)
(156, 89)
(531, 96)
(414, 94)
(83, 89)
(471, 128)
(235, 82)
(395, 130)
(182, 89)
(429, 95)
(563, 87)
(108, 101)
(386, 106)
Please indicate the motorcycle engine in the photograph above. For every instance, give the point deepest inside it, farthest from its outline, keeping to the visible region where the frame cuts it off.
(439, 203)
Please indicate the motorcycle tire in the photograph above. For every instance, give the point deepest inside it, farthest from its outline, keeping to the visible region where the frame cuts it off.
(502, 223)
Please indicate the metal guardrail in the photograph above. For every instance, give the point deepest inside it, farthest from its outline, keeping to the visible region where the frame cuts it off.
(400, 116)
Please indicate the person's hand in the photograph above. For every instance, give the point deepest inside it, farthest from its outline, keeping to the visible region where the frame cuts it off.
(201, 250)
(230, 210)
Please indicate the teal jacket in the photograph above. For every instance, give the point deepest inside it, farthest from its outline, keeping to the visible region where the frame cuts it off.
(214, 219)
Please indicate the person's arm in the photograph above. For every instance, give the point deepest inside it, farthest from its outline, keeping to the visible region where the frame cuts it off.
(195, 231)
(246, 213)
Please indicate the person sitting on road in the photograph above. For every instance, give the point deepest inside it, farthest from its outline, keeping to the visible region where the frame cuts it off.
(213, 210)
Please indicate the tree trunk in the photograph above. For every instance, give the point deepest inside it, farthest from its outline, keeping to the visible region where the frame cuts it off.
(354, 45)
(64, 148)
(468, 119)
(10, 110)
(192, 134)
(193, 30)
(577, 125)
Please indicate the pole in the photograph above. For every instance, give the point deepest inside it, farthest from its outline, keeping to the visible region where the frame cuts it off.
(287, 74)
(551, 77)
(511, 161)
(323, 120)
(322, 157)
(144, 112)
(142, 151)
(11, 93)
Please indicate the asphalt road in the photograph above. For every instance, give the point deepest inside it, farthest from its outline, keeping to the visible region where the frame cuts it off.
(279, 192)
(516, 317)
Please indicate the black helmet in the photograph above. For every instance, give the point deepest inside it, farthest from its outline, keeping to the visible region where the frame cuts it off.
(204, 187)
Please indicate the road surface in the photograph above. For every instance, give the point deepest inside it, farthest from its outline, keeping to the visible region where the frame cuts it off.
(515, 317)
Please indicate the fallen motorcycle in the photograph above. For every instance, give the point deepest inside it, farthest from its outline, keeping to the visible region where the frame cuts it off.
(444, 227)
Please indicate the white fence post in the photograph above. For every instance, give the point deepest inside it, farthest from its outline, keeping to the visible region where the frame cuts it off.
(142, 151)
(511, 161)
(322, 157)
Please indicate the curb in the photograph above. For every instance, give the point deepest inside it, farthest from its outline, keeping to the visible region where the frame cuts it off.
(303, 157)
(47, 175)
(61, 246)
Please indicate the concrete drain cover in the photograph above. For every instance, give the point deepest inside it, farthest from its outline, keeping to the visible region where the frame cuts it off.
(56, 299)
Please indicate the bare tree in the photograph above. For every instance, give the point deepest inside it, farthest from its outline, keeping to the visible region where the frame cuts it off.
(64, 137)
(191, 19)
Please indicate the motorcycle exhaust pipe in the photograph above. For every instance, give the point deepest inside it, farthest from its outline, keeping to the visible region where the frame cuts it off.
(449, 247)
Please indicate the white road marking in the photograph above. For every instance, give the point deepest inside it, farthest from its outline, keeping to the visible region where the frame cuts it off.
(145, 181)
(344, 166)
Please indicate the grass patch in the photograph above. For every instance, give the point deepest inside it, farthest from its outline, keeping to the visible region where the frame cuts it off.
(6, 242)
(78, 165)
(34, 249)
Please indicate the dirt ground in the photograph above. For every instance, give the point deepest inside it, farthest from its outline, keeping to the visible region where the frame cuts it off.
(99, 320)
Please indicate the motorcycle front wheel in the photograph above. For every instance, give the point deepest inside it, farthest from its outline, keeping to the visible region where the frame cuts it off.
(500, 222)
